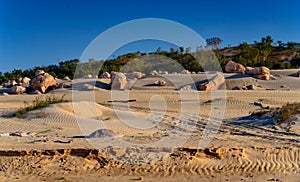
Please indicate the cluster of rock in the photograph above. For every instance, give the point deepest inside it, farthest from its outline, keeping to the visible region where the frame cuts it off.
(41, 83)
(18, 134)
(18, 82)
(154, 72)
(262, 72)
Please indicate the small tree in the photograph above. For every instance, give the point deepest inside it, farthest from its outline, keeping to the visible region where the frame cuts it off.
(214, 42)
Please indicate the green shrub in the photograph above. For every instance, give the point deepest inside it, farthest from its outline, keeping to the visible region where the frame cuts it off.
(284, 114)
(38, 103)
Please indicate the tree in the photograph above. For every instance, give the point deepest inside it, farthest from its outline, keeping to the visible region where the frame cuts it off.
(267, 40)
(280, 44)
(214, 42)
(292, 45)
(181, 49)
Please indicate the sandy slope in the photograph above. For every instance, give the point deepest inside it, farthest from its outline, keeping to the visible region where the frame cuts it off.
(244, 148)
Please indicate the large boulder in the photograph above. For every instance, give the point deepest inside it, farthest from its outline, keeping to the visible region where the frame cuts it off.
(43, 82)
(262, 72)
(233, 67)
(214, 83)
(118, 81)
(18, 89)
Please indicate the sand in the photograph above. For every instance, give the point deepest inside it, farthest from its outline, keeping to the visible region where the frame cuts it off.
(242, 147)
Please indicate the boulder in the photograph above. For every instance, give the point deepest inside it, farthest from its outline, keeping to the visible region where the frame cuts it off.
(25, 80)
(165, 73)
(67, 78)
(160, 82)
(185, 72)
(258, 71)
(65, 85)
(43, 82)
(89, 76)
(105, 75)
(154, 72)
(214, 83)
(18, 89)
(118, 81)
(262, 72)
(136, 75)
(233, 67)
(187, 87)
(39, 72)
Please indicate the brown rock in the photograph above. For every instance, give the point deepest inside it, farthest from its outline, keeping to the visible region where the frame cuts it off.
(233, 67)
(214, 83)
(43, 82)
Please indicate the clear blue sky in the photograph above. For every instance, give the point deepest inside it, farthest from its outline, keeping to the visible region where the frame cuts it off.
(43, 32)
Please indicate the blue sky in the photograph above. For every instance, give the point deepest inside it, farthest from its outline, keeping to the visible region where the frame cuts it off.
(44, 32)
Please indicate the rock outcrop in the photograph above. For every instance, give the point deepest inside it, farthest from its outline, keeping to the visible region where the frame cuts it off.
(43, 82)
(118, 81)
(233, 67)
(214, 83)
(262, 72)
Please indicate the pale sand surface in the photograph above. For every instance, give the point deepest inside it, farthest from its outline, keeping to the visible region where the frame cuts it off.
(244, 148)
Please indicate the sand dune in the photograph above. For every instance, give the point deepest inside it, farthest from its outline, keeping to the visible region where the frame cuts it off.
(151, 127)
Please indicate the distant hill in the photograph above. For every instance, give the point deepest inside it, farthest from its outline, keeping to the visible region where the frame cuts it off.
(264, 53)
